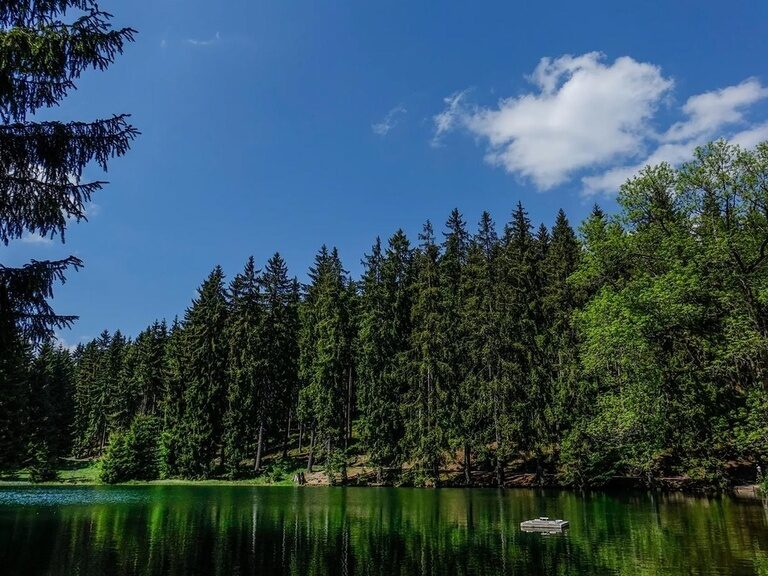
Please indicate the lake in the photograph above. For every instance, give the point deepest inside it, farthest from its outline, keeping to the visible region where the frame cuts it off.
(236, 530)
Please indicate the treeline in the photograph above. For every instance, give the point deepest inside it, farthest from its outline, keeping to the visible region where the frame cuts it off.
(637, 347)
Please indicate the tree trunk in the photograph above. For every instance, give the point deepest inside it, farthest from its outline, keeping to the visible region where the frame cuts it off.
(497, 433)
(259, 445)
(467, 465)
(311, 457)
(348, 434)
(287, 435)
(301, 432)
(539, 472)
(103, 439)
(499, 472)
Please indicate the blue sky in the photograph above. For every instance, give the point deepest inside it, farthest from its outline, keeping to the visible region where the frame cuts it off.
(285, 125)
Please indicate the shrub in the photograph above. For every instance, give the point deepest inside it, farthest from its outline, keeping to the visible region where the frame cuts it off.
(134, 454)
(43, 463)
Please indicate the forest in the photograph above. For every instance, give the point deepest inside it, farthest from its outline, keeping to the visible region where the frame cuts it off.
(633, 346)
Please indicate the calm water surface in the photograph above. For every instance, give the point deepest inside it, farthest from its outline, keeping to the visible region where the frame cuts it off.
(336, 531)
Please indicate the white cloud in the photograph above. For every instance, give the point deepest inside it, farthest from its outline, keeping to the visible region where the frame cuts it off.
(584, 113)
(197, 42)
(587, 115)
(391, 120)
(710, 111)
(64, 343)
(708, 117)
(450, 117)
(751, 137)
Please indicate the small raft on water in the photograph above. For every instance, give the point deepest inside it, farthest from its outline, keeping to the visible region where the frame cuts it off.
(544, 524)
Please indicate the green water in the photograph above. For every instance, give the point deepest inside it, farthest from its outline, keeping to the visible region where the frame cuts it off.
(317, 531)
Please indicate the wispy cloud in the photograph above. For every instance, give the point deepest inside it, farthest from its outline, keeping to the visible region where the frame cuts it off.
(708, 116)
(450, 117)
(64, 343)
(36, 239)
(391, 120)
(92, 209)
(597, 121)
(203, 42)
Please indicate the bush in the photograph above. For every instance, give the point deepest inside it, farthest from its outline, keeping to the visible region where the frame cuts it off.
(43, 463)
(132, 455)
(277, 471)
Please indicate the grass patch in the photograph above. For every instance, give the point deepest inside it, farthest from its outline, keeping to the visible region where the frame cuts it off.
(69, 472)
(86, 472)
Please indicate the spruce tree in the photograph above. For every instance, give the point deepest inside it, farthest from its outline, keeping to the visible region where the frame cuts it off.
(44, 48)
(50, 401)
(205, 354)
(427, 435)
(15, 358)
(517, 306)
(146, 377)
(373, 355)
(325, 358)
(174, 376)
(559, 305)
(118, 398)
(457, 387)
(248, 391)
(480, 389)
(280, 339)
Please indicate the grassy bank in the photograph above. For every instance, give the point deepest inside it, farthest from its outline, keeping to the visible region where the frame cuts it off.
(87, 473)
(281, 473)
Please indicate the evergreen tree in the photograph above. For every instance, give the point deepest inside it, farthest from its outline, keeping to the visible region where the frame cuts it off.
(521, 411)
(248, 391)
(457, 386)
(145, 378)
(426, 434)
(560, 357)
(204, 396)
(637, 349)
(118, 399)
(174, 376)
(280, 339)
(14, 368)
(43, 53)
(325, 358)
(132, 454)
(480, 390)
(50, 401)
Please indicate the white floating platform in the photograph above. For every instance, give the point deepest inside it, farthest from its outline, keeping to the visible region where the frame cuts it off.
(544, 524)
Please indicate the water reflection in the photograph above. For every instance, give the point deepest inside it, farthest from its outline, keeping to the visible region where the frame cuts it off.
(371, 531)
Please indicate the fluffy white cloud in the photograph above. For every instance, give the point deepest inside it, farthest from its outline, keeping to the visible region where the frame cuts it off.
(584, 112)
(711, 111)
(390, 121)
(709, 116)
(587, 115)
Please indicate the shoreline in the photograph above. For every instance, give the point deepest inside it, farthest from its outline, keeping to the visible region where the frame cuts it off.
(74, 472)
(741, 492)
